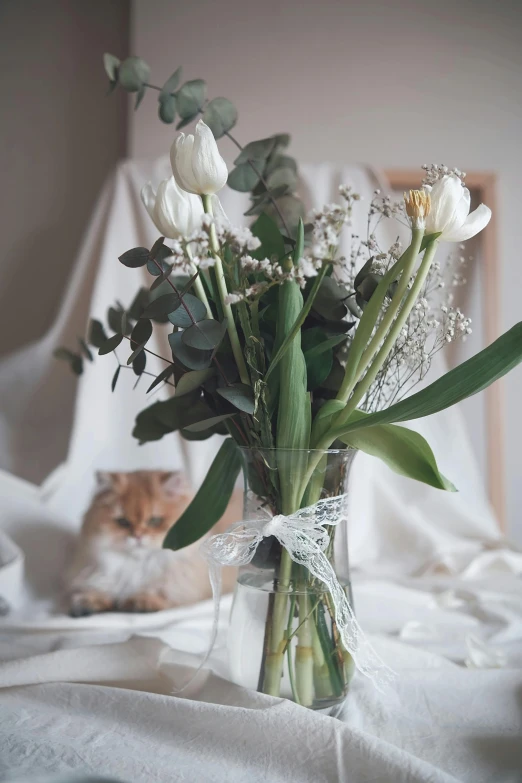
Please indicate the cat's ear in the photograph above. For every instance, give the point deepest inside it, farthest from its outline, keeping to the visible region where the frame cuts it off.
(106, 480)
(174, 483)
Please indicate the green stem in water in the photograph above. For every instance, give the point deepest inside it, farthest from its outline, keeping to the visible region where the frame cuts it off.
(222, 291)
(289, 634)
(198, 285)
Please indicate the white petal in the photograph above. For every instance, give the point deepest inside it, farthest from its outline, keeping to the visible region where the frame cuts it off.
(181, 161)
(209, 169)
(167, 208)
(148, 197)
(445, 195)
(474, 223)
(459, 215)
(219, 213)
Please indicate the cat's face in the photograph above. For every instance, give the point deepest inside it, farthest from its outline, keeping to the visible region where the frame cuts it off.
(135, 510)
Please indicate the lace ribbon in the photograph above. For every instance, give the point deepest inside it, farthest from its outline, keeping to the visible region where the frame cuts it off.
(305, 538)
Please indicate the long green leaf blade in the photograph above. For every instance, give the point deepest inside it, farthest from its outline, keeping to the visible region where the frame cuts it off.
(211, 500)
(403, 450)
(470, 377)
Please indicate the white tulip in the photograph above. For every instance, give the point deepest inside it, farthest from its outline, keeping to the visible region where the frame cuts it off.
(174, 212)
(196, 163)
(449, 214)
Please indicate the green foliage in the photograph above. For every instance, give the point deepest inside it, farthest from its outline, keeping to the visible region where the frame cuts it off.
(74, 360)
(205, 335)
(190, 381)
(97, 336)
(133, 73)
(268, 233)
(111, 65)
(115, 378)
(470, 377)
(403, 450)
(239, 395)
(206, 424)
(170, 415)
(243, 178)
(162, 377)
(110, 345)
(211, 500)
(141, 333)
(191, 358)
(139, 363)
(220, 115)
(166, 304)
(136, 257)
(191, 98)
(192, 309)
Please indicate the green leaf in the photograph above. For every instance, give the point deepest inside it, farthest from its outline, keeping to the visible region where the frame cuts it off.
(74, 360)
(299, 242)
(134, 258)
(280, 162)
(168, 416)
(115, 378)
(192, 380)
(267, 231)
(180, 316)
(141, 333)
(111, 65)
(292, 208)
(211, 500)
(114, 316)
(163, 305)
(161, 278)
(191, 98)
(470, 377)
(220, 115)
(97, 335)
(139, 96)
(192, 358)
(319, 346)
(163, 376)
(139, 363)
(319, 364)
(110, 345)
(171, 84)
(135, 353)
(133, 73)
(85, 348)
(139, 303)
(243, 178)
(282, 176)
(403, 450)
(205, 424)
(205, 335)
(240, 395)
(186, 121)
(167, 109)
(329, 300)
(256, 151)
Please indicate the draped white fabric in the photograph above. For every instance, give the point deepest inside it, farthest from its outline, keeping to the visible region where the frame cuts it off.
(437, 590)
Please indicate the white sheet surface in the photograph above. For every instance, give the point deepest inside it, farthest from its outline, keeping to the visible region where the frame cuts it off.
(436, 588)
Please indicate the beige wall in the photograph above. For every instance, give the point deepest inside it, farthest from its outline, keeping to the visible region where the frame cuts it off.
(59, 137)
(392, 83)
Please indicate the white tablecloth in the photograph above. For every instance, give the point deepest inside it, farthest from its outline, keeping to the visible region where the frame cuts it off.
(436, 588)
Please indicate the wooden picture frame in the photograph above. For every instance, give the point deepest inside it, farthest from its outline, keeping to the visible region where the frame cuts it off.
(482, 186)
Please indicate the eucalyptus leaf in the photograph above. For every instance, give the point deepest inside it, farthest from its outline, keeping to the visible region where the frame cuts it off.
(363, 271)
(139, 363)
(292, 208)
(282, 176)
(162, 377)
(240, 395)
(110, 345)
(279, 162)
(136, 352)
(171, 84)
(114, 316)
(469, 378)
(256, 151)
(205, 335)
(133, 73)
(191, 98)
(97, 335)
(403, 450)
(187, 121)
(74, 360)
(163, 305)
(85, 348)
(211, 500)
(139, 303)
(115, 377)
(139, 96)
(205, 424)
(134, 258)
(141, 333)
(111, 65)
(243, 178)
(191, 358)
(180, 317)
(192, 380)
(318, 364)
(167, 109)
(220, 115)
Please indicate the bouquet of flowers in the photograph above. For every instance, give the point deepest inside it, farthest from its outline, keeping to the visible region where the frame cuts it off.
(289, 350)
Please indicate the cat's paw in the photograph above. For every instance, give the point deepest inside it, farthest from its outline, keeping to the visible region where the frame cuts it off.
(145, 602)
(89, 602)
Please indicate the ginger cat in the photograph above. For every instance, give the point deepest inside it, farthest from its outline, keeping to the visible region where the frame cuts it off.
(119, 563)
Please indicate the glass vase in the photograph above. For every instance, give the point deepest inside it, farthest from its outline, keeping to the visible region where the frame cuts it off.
(283, 638)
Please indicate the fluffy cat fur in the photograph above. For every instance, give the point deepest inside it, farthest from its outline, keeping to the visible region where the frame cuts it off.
(119, 563)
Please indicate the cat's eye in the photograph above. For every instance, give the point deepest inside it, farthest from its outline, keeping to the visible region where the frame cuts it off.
(155, 522)
(123, 522)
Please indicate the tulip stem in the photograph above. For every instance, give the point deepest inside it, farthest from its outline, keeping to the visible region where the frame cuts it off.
(198, 285)
(223, 293)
